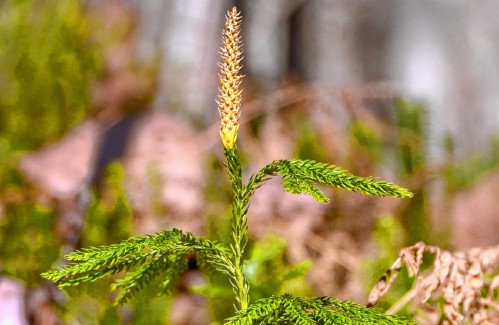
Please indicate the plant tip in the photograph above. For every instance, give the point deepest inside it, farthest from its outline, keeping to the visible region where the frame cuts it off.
(229, 94)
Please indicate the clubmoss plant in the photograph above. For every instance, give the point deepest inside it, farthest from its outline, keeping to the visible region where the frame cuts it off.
(164, 256)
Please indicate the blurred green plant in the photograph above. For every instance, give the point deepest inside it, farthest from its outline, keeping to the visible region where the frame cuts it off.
(267, 256)
(410, 119)
(307, 145)
(387, 242)
(35, 222)
(47, 60)
(463, 174)
(109, 215)
(366, 140)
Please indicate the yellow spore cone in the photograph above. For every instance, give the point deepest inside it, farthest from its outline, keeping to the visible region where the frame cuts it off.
(229, 94)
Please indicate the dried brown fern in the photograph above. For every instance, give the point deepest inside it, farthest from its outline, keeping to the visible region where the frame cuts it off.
(465, 281)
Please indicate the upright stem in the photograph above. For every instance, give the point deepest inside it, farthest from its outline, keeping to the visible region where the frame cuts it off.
(229, 105)
(239, 235)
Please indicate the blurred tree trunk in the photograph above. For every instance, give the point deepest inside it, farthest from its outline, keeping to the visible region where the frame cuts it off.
(445, 53)
(183, 36)
(329, 41)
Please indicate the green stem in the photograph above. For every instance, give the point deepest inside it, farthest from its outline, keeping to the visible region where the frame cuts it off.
(239, 236)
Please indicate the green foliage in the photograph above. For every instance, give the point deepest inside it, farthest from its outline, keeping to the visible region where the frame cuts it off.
(35, 222)
(300, 177)
(109, 220)
(164, 254)
(308, 145)
(367, 140)
(387, 242)
(239, 225)
(462, 175)
(46, 62)
(287, 309)
(270, 273)
(47, 59)
(109, 214)
(89, 303)
(410, 119)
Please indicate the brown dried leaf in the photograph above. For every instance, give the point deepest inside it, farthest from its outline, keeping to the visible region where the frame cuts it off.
(456, 278)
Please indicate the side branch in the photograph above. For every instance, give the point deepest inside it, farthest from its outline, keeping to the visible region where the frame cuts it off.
(301, 177)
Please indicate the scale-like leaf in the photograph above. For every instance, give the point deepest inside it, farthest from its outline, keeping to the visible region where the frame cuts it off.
(143, 258)
(300, 177)
(287, 309)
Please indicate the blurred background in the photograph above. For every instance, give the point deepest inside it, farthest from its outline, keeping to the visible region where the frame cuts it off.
(109, 129)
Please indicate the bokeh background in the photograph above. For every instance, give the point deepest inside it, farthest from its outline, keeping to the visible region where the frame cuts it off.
(109, 128)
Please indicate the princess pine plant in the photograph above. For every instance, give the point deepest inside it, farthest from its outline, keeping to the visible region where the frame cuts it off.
(164, 256)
